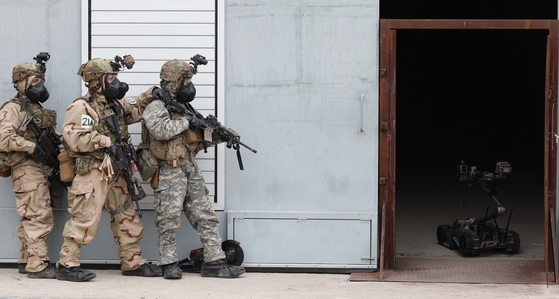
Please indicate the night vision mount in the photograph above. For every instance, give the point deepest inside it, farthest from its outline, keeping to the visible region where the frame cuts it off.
(196, 61)
(42, 59)
(127, 61)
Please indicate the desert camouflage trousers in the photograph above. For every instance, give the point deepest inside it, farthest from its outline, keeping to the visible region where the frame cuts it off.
(87, 198)
(183, 187)
(31, 187)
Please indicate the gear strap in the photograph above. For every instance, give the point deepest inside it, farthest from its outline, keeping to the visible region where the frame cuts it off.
(122, 208)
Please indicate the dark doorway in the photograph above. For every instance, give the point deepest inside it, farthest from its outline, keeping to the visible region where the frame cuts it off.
(472, 9)
(426, 165)
(475, 96)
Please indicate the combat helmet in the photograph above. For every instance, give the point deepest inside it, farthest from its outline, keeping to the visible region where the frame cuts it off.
(92, 71)
(172, 73)
(23, 74)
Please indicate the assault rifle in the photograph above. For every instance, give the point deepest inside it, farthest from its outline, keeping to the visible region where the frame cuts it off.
(211, 125)
(125, 158)
(49, 141)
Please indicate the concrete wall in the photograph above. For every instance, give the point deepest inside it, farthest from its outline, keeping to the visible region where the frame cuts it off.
(295, 73)
(299, 77)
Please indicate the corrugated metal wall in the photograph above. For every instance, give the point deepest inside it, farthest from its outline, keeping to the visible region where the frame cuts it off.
(154, 32)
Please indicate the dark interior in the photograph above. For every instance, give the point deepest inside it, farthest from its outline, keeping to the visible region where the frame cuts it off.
(473, 9)
(475, 96)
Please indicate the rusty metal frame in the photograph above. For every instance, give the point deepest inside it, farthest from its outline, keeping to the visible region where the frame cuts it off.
(387, 117)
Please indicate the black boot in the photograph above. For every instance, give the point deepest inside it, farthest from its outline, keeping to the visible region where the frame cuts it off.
(48, 272)
(145, 270)
(172, 271)
(21, 268)
(220, 269)
(74, 273)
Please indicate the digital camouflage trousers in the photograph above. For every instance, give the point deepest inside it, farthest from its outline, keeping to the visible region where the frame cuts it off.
(184, 188)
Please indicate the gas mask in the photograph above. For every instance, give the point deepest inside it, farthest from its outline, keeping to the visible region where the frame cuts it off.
(186, 93)
(37, 93)
(115, 90)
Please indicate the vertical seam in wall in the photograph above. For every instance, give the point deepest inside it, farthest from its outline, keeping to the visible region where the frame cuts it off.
(216, 94)
(89, 30)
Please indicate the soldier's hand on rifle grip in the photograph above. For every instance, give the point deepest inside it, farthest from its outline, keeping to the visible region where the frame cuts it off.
(161, 94)
(38, 152)
(194, 123)
(113, 150)
(225, 138)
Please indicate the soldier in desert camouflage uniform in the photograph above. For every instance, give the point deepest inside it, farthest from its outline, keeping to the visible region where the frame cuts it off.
(20, 154)
(88, 137)
(175, 139)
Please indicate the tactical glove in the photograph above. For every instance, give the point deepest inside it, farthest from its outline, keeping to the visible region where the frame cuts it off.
(161, 94)
(113, 150)
(194, 123)
(38, 152)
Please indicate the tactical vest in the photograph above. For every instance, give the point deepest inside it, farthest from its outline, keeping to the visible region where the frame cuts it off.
(86, 161)
(175, 149)
(44, 118)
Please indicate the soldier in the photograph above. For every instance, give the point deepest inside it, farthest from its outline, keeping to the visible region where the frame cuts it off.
(20, 154)
(89, 138)
(175, 139)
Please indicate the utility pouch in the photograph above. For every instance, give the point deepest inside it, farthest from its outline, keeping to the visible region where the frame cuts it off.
(155, 180)
(67, 167)
(5, 171)
(147, 163)
(8, 160)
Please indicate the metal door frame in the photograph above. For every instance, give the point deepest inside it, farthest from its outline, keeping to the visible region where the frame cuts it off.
(387, 119)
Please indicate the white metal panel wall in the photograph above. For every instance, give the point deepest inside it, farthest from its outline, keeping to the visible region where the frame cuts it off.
(154, 32)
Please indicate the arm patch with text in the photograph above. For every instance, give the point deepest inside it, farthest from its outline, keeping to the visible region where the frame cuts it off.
(87, 122)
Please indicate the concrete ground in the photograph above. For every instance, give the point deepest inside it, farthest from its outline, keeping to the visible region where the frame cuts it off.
(111, 284)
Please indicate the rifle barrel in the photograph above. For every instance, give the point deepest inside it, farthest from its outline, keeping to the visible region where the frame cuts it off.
(247, 147)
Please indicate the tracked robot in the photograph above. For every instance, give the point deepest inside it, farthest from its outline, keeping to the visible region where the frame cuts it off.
(471, 235)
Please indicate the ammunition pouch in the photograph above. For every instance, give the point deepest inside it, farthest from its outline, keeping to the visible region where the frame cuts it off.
(45, 118)
(172, 151)
(84, 165)
(194, 136)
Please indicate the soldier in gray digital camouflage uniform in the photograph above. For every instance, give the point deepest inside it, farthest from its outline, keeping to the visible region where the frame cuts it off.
(175, 139)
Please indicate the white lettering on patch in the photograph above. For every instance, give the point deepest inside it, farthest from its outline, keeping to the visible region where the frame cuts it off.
(87, 122)
(131, 101)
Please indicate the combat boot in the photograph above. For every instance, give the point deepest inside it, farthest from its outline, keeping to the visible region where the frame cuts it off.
(145, 270)
(48, 272)
(172, 271)
(21, 268)
(74, 273)
(221, 269)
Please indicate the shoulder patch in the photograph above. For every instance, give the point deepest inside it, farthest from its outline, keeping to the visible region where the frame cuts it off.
(131, 101)
(87, 122)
